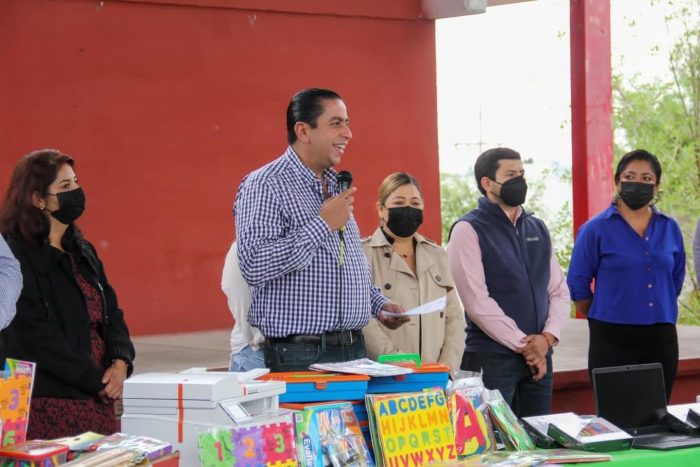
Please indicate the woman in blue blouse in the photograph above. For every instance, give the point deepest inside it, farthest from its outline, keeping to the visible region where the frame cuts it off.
(635, 255)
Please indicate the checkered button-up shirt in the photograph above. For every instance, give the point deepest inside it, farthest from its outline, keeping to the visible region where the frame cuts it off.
(10, 284)
(290, 257)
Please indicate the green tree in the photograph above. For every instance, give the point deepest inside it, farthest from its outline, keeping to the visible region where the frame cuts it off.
(663, 117)
(459, 196)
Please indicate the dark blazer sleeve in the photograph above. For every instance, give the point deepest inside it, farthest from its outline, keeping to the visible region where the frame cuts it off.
(36, 335)
(117, 337)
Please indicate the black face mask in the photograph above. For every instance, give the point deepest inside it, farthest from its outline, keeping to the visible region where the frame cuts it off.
(513, 191)
(71, 205)
(636, 195)
(404, 221)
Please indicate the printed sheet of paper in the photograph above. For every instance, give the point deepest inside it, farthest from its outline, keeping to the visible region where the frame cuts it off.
(430, 307)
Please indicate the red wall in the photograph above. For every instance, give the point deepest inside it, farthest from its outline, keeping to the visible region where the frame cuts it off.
(167, 107)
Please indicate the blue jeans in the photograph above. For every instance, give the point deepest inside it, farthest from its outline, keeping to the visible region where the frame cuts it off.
(511, 375)
(298, 357)
(247, 359)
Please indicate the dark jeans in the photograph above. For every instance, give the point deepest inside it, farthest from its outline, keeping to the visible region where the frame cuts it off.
(511, 375)
(633, 344)
(286, 356)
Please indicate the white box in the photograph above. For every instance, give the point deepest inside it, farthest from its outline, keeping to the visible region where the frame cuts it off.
(176, 407)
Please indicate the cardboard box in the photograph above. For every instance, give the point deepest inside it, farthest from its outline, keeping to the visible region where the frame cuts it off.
(537, 427)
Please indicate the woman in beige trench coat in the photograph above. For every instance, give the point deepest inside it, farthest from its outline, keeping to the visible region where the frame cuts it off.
(412, 270)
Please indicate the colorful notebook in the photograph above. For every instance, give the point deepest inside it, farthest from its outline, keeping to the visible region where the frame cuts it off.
(512, 433)
(145, 446)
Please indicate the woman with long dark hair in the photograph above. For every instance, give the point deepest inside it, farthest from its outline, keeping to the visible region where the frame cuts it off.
(68, 320)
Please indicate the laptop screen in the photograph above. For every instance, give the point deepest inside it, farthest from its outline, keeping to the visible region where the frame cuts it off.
(631, 396)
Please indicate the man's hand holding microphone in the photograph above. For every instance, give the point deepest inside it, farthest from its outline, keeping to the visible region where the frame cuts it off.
(336, 212)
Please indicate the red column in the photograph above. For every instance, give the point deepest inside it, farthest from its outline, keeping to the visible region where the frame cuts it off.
(591, 108)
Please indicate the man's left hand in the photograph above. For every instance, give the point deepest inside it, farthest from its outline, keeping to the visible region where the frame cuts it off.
(392, 322)
(535, 348)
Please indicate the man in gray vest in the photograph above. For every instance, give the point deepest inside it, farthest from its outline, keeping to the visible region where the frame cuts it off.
(512, 288)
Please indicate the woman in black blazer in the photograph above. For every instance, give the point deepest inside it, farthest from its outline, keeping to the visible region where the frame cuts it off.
(68, 320)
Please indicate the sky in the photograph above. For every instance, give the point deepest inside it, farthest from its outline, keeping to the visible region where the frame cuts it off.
(503, 78)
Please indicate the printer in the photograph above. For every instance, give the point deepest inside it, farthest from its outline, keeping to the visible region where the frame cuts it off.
(177, 407)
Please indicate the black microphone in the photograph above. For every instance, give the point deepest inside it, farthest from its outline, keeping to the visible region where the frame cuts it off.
(344, 179)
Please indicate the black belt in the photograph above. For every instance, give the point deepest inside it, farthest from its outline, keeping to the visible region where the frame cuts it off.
(332, 338)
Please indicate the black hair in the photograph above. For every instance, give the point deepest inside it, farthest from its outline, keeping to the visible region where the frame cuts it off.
(639, 155)
(306, 106)
(18, 215)
(487, 164)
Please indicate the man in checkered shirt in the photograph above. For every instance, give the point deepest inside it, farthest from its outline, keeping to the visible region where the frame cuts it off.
(299, 246)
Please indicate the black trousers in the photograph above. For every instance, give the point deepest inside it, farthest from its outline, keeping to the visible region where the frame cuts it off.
(511, 375)
(628, 344)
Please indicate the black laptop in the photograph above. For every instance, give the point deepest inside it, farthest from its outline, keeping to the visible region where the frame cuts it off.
(633, 397)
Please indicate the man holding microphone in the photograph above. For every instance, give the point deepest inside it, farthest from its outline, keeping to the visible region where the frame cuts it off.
(311, 284)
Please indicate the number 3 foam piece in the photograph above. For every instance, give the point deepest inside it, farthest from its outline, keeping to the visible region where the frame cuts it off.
(15, 397)
(255, 445)
(177, 407)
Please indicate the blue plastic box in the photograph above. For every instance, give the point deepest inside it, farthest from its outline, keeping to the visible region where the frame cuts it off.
(428, 375)
(358, 407)
(312, 386)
